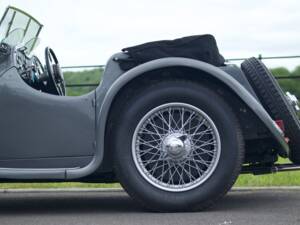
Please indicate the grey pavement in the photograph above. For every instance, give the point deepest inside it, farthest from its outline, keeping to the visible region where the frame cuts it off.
(239, 207)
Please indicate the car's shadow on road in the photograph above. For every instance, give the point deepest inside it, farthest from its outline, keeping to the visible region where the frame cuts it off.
(111, 202)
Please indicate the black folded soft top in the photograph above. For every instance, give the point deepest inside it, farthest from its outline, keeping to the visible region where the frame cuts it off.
(199, 47)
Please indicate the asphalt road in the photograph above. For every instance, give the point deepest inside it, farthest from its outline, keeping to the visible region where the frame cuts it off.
(109, 208)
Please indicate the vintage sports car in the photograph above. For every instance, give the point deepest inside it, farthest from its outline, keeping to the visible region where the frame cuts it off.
(170, 120)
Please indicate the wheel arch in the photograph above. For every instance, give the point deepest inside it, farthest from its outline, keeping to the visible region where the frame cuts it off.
(208, 71)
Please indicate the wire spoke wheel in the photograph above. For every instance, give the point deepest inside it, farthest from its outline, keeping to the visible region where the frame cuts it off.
(176, 147)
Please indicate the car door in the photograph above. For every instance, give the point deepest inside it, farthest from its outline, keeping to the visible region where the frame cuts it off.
(39, 130)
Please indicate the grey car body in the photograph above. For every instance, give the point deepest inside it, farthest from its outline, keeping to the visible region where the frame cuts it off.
(45, 136)
(50, 137)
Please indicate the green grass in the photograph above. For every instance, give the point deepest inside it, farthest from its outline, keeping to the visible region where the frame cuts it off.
(278, 179)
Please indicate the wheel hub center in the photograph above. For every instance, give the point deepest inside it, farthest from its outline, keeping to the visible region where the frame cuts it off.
(177, 146)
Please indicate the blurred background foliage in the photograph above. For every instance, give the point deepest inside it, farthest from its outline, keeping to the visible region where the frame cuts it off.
(82, 77)
(94, 77)
(291, 85)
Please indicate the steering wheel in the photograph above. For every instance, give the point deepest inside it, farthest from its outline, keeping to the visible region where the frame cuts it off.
(56, 82)
(38, 75)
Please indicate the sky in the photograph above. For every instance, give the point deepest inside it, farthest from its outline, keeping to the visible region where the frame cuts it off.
(88, 32)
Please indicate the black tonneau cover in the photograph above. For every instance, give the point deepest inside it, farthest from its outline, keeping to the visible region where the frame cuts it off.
(199, 47)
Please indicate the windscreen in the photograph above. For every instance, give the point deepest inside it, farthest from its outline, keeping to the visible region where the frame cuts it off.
(17, 28)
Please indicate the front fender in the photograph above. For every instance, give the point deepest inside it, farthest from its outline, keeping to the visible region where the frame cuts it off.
(219, 74)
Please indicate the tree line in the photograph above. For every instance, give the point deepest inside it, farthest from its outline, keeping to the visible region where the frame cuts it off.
(94, 77)
(291, 85)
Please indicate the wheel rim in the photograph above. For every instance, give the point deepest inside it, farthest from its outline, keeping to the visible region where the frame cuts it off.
(176, 147)
(294, 103)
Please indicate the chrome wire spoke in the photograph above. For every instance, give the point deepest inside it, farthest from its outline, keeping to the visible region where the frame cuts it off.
(202, 133)
(144, 145)
(169, 172)
(201, 161)
(163, 119)
(172, 174)
(152, 161)
(182, 118)
(164, 172)
(199, 170)
(176, 147)
(196, 127)
(149, 139)
(181, 180)
(203, 152)
(188, 121)
(143, 153)
(174, 121)
(150, 145)
(148, 132)
(146, 162)
(196, 167)
(160, 177)
(202, 149)
(206, 143)
(156, 167)
(155, 128)
(188, 173)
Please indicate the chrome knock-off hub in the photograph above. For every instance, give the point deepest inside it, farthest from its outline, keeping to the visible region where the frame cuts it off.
(177, 146)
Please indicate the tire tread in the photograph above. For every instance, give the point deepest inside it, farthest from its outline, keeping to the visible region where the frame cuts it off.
(274, 101)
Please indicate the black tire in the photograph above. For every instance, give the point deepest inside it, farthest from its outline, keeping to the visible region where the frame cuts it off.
(274, 101)
(146, 99)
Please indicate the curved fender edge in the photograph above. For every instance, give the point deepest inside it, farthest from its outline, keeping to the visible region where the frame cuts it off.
(234, 85)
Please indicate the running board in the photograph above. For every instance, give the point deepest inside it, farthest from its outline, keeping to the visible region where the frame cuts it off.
(257, 169)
